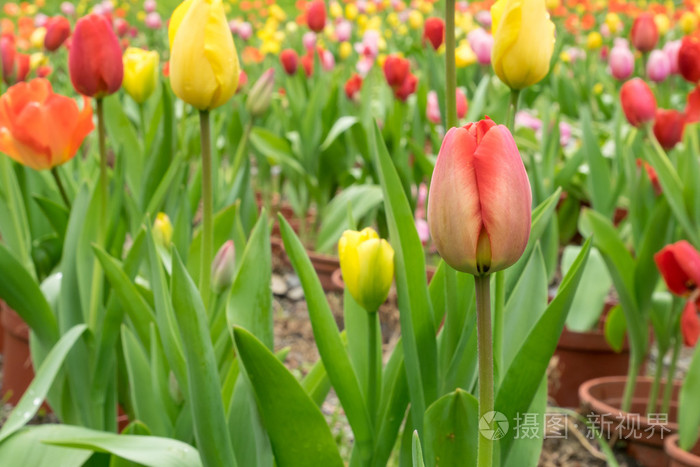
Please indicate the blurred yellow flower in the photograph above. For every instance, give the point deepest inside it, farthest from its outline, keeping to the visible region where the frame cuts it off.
(277, 13)
(37, 38)
(425, 7)
(37, 59)
(351, 11)
(688, 22)
(345, 50)
(614, 22)
(141, 15)
(381, 58)
(392, 19)
(162, 230)
(464, 55)
(415, 19)
(335, 10)
(598, 89)
(553, 4)
(663, 23)
(402, 30)
(594, 40)
(565, 57)
(370, 8)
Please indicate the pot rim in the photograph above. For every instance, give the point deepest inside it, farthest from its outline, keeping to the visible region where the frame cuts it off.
(674, 451)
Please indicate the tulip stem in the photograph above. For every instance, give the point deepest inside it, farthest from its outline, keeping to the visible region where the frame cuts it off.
(450, 67)
(61, 188)
(499, 305)
(485, 347)
(670, 376)
(372, 319)
(207, 210)
(512, 109)
(102, 136)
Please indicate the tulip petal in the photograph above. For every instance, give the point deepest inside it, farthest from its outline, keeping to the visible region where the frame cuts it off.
(221, 54)
(690, 324)
(455, 226)
(505, 196)
(176, 20)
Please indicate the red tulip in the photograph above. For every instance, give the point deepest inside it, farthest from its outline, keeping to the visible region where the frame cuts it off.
(653, 176)
(95, 57)
(316, 15)
(644, 33)
(638, 102)
(22, 63)
(57, 31)
(690, 324)
(7, 58)
(290, 61)
(689, 58)
(462, 104)
(668, 127)
(43, 71)
(679, 264)
(353, 86)
(121, 27)
(407, 88)
(41, 129)
(692, 108)
(434, 31)
(307, 61)
(396, 69)
(479, 207)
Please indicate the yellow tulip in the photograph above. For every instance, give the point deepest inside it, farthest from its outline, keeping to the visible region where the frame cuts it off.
(204, 65)
(598, 89)
(464, 55)
(367, 264)
(370, 8)
(140, 73)
(37, 59)
(276, 12)
(37, 38)
(415, 19)
(553, 4)
(393, 20)
(688, 22)
(663, 23)
(163, 230)
(614, 22)
(335, 10)
(345, 50)
(523, 41)
(594, 40)
(351, 11)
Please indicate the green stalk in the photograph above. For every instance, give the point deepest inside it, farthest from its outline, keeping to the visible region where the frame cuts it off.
(450, 67)
(61, 188)
(485, 347)
(372, 319)
(207, 210)
(142, 117)
(670, 376)
(512, 109)
(240, 150)
(630, 385)
(654, 393)
(499, 306)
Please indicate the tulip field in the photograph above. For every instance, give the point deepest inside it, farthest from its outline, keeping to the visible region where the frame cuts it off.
(354, 233)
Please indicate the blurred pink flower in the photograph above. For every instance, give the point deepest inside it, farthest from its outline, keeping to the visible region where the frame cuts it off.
(481, 43)
(327, 59)
(153, 20)
(309, 40)
(564, 133)
(658, 66)
(432, 109)
(483, 17)
(343, 31)
(423, 231)
(671, 50)
(68, 9)
(621, 61)
(245, 30)
(149, 6)
(527, 120)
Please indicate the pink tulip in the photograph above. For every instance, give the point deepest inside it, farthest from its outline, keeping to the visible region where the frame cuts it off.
(481, 43)
(369, 47)
(153, 20)
(149, 6)
(671, 50)
(327, 59)
(432, 109)
(564, 133)
(479, 207)
(483, 17)
(638, 102)
(621, 61)
(527, 120)
(462, 104)
(40, 20)
(658, 66)
(245, 30)
(343, 31)
(68, 9)
(423, 231)
(309, 40)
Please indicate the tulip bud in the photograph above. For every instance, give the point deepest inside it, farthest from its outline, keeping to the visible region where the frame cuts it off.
(644, 34)
(671, 50)
(396, 69)
(153, 20)
(95, 57)
(523, 41)
(367, 264)
(668, 127)
(344, 50)
(689, 59)
(353, 86)
(407, 88)
(479, 208)
(289, 60)
(203, 60)
(658, 66)
(149, 6)
(432, 108)
(260, 94)
(679, 265)
(223, 267)
(316, 15)
(307, 61)
(163, 230)
(57, 31)
(434, 31)
(68, 9)
(37, 38)
(594, 41)
(638, 102)
(465, 56)
(621, 61)
(688, 22)
(7, 58)
(481, 43)
(690, 324)
(140, 73)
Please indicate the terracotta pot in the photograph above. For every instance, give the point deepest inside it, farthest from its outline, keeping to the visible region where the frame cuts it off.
(325, 266)
(17, 370)
(679, 457)
(581, 356)
(644, 436)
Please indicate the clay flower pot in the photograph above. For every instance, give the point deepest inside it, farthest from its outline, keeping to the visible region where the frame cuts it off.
(601, 399)
(17, 370)
(679, 457)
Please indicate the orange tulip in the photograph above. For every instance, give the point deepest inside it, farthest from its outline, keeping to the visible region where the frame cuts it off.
(41, 129)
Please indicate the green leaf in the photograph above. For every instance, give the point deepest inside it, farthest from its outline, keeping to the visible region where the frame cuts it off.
(599, 179)
(615, 328)
(151, 451)
(524, 376)
(298, 431)
(224, 222)
(592, 292)
(210, 427)
(417, 322)
(339, 127)
(21, 293)
(689, 416)
(416, 451)
(25, 448)
(57, 214)
(30, 402)
(276, 149)
(124, 137)
(250, 301)
(14, 225)
(451, 430)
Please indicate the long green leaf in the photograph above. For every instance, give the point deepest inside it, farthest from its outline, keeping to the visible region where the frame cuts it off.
(451, 430)
(689, 416)
(298, 431)
(25, 448)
